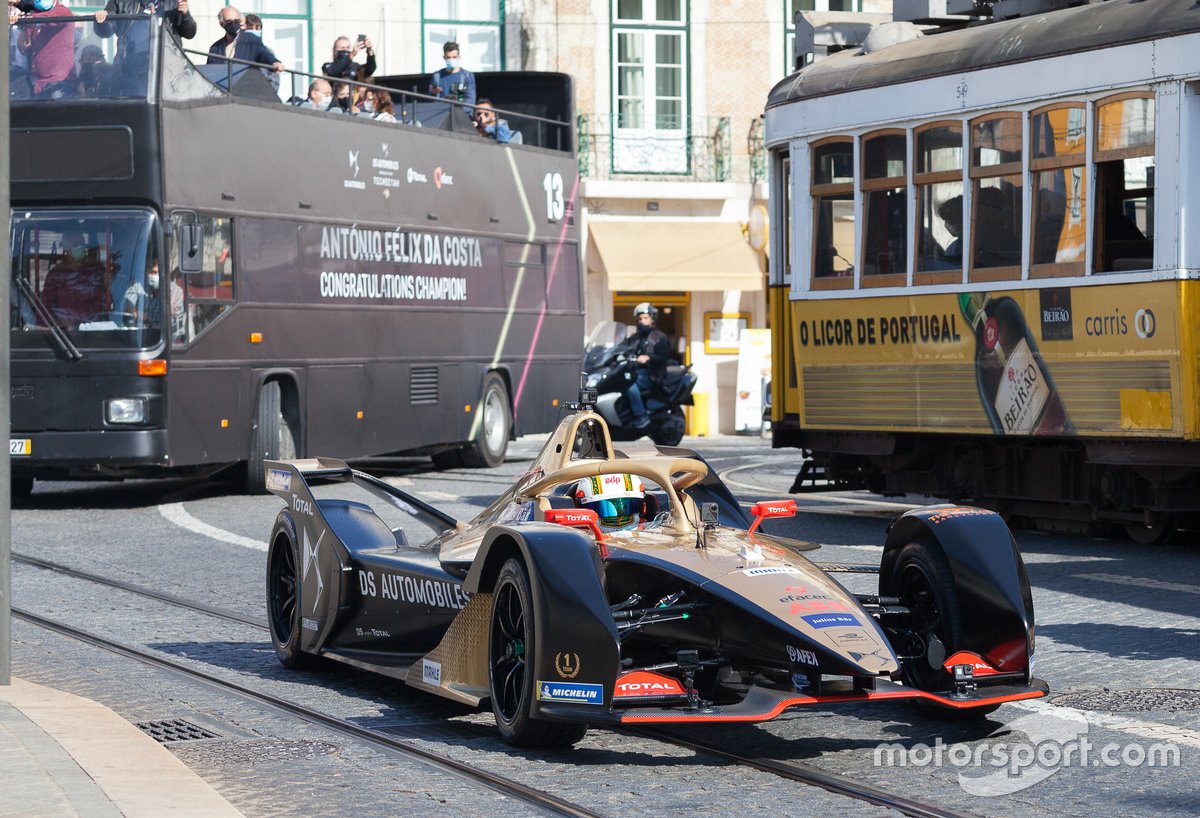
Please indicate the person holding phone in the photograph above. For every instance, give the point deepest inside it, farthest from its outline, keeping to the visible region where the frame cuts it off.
(343, 66)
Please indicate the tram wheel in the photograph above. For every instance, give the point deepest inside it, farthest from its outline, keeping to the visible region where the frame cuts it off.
(1159, 530)
(510, 666)
(272, 438)
(490, 445)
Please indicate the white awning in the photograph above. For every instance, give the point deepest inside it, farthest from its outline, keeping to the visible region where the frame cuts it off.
(656, 256)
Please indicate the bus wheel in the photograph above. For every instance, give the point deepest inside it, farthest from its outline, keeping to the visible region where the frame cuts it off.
(273, 438)
(490, 444)
(1161, 527)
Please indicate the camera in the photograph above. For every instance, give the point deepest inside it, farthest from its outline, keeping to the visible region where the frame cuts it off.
(362, 38)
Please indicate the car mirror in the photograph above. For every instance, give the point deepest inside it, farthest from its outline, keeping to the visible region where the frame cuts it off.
(191, 248)
(771, 508)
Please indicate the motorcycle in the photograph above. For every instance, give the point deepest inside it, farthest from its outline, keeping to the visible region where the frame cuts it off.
(610, 368)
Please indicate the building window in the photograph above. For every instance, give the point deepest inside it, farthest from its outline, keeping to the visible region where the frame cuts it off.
(938, 176)
(1057, 154)
(833, 213)
(476, 25)
(791, 7)
(1124, 230)
(649, 80)
(885, 209)
(996, 197)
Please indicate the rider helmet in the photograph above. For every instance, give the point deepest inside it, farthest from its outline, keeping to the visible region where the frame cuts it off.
(645, 308)
(617, 499)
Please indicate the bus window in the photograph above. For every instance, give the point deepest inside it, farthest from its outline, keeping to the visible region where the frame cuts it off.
(938, 178)
(885, 211)
(833, 213)
(84, 273)
(210, 292)
(996, 197)
(1058, 149)
(1124, 229)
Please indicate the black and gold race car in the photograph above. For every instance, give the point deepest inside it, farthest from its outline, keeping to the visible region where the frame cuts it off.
(692, 614)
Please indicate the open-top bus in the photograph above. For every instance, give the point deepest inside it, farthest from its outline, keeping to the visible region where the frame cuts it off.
(204, 277)
(985, 283)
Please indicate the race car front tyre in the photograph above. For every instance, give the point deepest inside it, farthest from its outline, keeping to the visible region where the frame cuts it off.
(922, 579)
(511, 663)
(283, 594)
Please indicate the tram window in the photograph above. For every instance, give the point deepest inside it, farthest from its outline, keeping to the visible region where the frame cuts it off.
(885, 210)
(1057, 156)
(833, 212)
(938, 180)
(996, 223)
(1124, 230)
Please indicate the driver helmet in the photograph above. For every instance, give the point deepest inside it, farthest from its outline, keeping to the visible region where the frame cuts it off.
(617, 499)
(645, 308)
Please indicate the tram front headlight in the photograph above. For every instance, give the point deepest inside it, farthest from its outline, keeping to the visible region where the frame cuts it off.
(125, 410)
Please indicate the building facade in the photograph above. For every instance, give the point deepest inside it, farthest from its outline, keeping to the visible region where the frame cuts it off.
(669, 97)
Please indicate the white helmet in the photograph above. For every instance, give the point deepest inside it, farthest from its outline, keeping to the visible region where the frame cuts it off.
(617, 499)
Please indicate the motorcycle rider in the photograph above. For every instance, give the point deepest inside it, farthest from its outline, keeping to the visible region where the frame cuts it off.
(651, 350)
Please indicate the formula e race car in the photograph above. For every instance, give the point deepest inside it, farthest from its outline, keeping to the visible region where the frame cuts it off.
(690, 613)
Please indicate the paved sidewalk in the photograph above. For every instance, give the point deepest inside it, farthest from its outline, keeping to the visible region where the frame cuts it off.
(62, 755)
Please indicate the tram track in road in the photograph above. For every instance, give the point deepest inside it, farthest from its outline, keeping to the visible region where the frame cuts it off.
(544, 802)
(387, 740)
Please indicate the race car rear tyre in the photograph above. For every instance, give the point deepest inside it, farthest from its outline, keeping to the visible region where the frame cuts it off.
(490, 445)
(283, 594)
(272, 438)
(922, 579)
(511, 662)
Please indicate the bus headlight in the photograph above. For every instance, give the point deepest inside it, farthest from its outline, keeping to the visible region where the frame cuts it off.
(125, 410)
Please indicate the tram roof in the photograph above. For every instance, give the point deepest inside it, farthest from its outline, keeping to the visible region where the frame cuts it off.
(1073, 30)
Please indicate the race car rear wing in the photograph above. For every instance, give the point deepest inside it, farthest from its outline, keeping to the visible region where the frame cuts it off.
(331, 470)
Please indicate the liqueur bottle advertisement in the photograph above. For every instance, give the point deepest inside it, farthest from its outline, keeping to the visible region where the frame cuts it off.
(1018, 394)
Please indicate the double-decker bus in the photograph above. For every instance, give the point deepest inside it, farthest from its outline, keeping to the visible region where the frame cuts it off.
(985, 282)
(205, 276)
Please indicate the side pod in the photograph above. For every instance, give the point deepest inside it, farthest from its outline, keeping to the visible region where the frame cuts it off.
(575, 638)
(989, 579)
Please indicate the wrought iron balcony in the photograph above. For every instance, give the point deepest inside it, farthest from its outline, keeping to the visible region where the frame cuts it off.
(699, 149)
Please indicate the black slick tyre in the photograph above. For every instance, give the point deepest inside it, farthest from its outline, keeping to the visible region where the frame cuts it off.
(511, 662)
(922, 579)
(272, 437)
(283, 594)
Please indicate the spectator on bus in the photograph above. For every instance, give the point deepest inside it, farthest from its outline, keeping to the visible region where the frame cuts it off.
(142, 305)
(320, 97)
(343, 66)
(343, 100)
(76, 289)
(489, 125)
(253, 23)
(94, 72)
(49, 50)
(179, 19)
(240, 44)
(453, 81)
(378, 105)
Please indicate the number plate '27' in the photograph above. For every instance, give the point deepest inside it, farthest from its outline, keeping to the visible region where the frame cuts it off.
(20, 447)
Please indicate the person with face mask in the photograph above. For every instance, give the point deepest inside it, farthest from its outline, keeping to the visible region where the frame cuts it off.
(142, 303)
(343, 66)
(651, 350)
(320, 97)
(453, 81)
(49, 49)
(241, 45)
(378, 105)
(76, 289)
